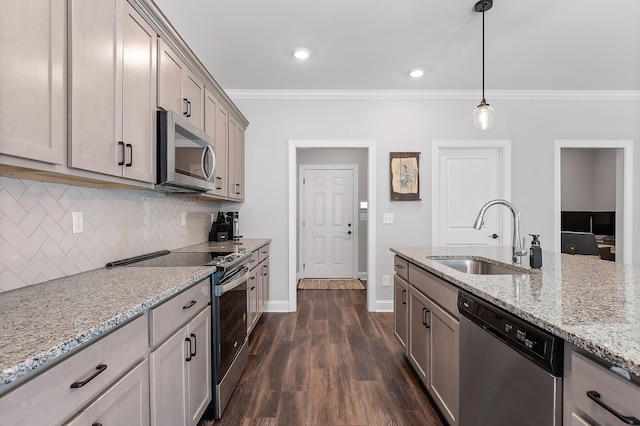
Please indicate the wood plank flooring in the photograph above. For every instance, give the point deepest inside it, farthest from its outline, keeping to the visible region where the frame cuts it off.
(329, 363)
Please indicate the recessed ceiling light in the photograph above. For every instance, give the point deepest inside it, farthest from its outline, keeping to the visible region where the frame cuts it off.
(416, 73)
(301, 53)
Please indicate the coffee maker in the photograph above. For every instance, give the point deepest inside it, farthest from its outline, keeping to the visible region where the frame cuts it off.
(219, 228)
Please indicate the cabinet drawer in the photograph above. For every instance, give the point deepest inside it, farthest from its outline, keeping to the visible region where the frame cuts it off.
(49, 398)
(263, 253)
(177, 311)
(616, 392)
(401, 267)
(440, 291)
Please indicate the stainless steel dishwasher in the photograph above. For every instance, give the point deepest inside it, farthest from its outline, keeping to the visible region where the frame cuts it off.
(510, 371)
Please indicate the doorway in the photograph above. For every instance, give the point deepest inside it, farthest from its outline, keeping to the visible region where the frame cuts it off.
(296, 147)
(623, 191)
(467, 174)
(328, 221)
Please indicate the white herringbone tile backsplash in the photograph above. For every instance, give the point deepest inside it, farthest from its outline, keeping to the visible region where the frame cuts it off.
(36, 239)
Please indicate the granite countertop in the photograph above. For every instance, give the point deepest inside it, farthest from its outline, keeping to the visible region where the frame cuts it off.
(44, 322)
(591, 303)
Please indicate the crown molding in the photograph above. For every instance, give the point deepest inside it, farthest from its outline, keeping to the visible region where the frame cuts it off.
(567, 95)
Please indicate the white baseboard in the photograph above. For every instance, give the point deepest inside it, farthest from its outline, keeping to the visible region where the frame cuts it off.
(277, 306)
(384, 305)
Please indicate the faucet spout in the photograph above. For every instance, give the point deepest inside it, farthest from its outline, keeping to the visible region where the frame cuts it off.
(518, 249)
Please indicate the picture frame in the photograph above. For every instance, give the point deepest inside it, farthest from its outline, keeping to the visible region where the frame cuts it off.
(404, 170)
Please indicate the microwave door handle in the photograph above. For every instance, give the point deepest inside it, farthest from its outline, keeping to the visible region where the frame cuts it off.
(221, 289)
(203, 162)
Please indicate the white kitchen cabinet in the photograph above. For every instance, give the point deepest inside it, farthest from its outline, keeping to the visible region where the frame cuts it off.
(125, 403)
(112, 89)
(593, 393)
(236, 160)
(432, 333)
(401, 311)
(32, 79)
(216, 125)
(60, 392)
(179, 88)
(180, 367)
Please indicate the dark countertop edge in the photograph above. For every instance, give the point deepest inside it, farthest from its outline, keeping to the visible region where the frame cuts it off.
(592, 347)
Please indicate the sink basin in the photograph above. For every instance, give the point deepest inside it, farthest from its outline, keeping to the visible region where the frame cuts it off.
(477, 267)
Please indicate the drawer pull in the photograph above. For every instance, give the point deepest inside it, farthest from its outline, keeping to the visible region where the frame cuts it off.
(595, 396)
(99, 369)
(96, 424)
(404, 297)
(193, 302)
(400, 266)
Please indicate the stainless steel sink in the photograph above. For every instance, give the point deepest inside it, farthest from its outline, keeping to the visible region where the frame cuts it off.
(478, 267)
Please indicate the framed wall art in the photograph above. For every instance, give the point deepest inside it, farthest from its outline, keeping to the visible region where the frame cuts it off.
(405, 176)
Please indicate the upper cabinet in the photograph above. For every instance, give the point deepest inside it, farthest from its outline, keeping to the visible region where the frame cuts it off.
(179, 89)
(236, 161)
(113, 89)
(32, 79)
(216, 125)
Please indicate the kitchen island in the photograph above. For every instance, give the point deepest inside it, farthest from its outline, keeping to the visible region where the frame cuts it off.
(44, 323)
(593, 304)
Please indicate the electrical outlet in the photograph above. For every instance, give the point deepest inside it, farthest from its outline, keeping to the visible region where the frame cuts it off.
(76, 218)
(387, 218)
(386, 281)
(184, 219)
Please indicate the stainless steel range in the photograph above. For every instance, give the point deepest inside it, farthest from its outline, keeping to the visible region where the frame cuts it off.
(228, 314)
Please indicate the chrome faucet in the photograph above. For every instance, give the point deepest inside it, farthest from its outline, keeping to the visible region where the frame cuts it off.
(518, 250)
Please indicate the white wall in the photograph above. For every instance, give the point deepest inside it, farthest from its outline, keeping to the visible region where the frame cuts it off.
(411, 125)
(588, 179)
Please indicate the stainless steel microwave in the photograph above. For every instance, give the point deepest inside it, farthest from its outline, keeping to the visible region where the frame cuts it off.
(186, 156)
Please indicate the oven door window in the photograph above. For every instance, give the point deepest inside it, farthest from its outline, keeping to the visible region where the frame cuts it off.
(233, 324)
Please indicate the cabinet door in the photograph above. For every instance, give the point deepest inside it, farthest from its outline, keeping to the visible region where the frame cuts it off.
(443, 358)
(401, 313)
(125, 403)
(419, 333)
(264, 286)
(138, 96)
(236, 160)
(96, 82)
(199, 367)
(168, 388)
(170, 74)
(193, 91)
(216, 125)
(32, 80)
(252, 299)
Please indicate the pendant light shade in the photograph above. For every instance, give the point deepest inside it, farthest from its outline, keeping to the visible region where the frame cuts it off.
(483, 115)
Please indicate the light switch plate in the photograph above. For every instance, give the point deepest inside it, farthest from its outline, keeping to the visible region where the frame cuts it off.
(184, 218)
(387, 218)
(78, 227)
(386, 281)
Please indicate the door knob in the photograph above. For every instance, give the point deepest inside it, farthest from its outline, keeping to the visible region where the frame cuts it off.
(349, 232)
(494, 236)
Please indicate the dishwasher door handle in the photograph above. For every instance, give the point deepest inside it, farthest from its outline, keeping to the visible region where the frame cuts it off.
(630, 420)
(494, 332)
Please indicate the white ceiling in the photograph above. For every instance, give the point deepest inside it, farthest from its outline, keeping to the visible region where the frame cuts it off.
(372, 44)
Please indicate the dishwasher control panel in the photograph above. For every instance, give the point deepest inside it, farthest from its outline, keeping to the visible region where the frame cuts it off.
(538, 345)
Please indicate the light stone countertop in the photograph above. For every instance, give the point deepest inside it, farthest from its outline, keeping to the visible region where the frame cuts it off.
(42, 323)
(592, 303)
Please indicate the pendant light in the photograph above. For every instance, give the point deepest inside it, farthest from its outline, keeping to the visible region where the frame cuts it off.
(483, 115)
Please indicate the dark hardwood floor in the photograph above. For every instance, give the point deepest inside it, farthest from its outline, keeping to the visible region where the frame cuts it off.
(329, 363)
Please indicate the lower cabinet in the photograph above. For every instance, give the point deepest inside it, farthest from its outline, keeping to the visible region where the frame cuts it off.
(252, 301)
(258, 286)
(180, 374)
(426, 320)
(125, 403)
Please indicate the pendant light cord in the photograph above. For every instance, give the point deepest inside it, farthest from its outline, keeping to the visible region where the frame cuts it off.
(483, 8)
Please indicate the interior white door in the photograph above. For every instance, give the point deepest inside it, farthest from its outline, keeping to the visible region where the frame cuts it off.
(328, 228)
(468, 178)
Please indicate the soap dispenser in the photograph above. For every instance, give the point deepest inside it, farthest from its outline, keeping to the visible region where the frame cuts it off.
(535, 253)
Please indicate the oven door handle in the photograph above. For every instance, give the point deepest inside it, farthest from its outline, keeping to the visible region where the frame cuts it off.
(220, 289)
